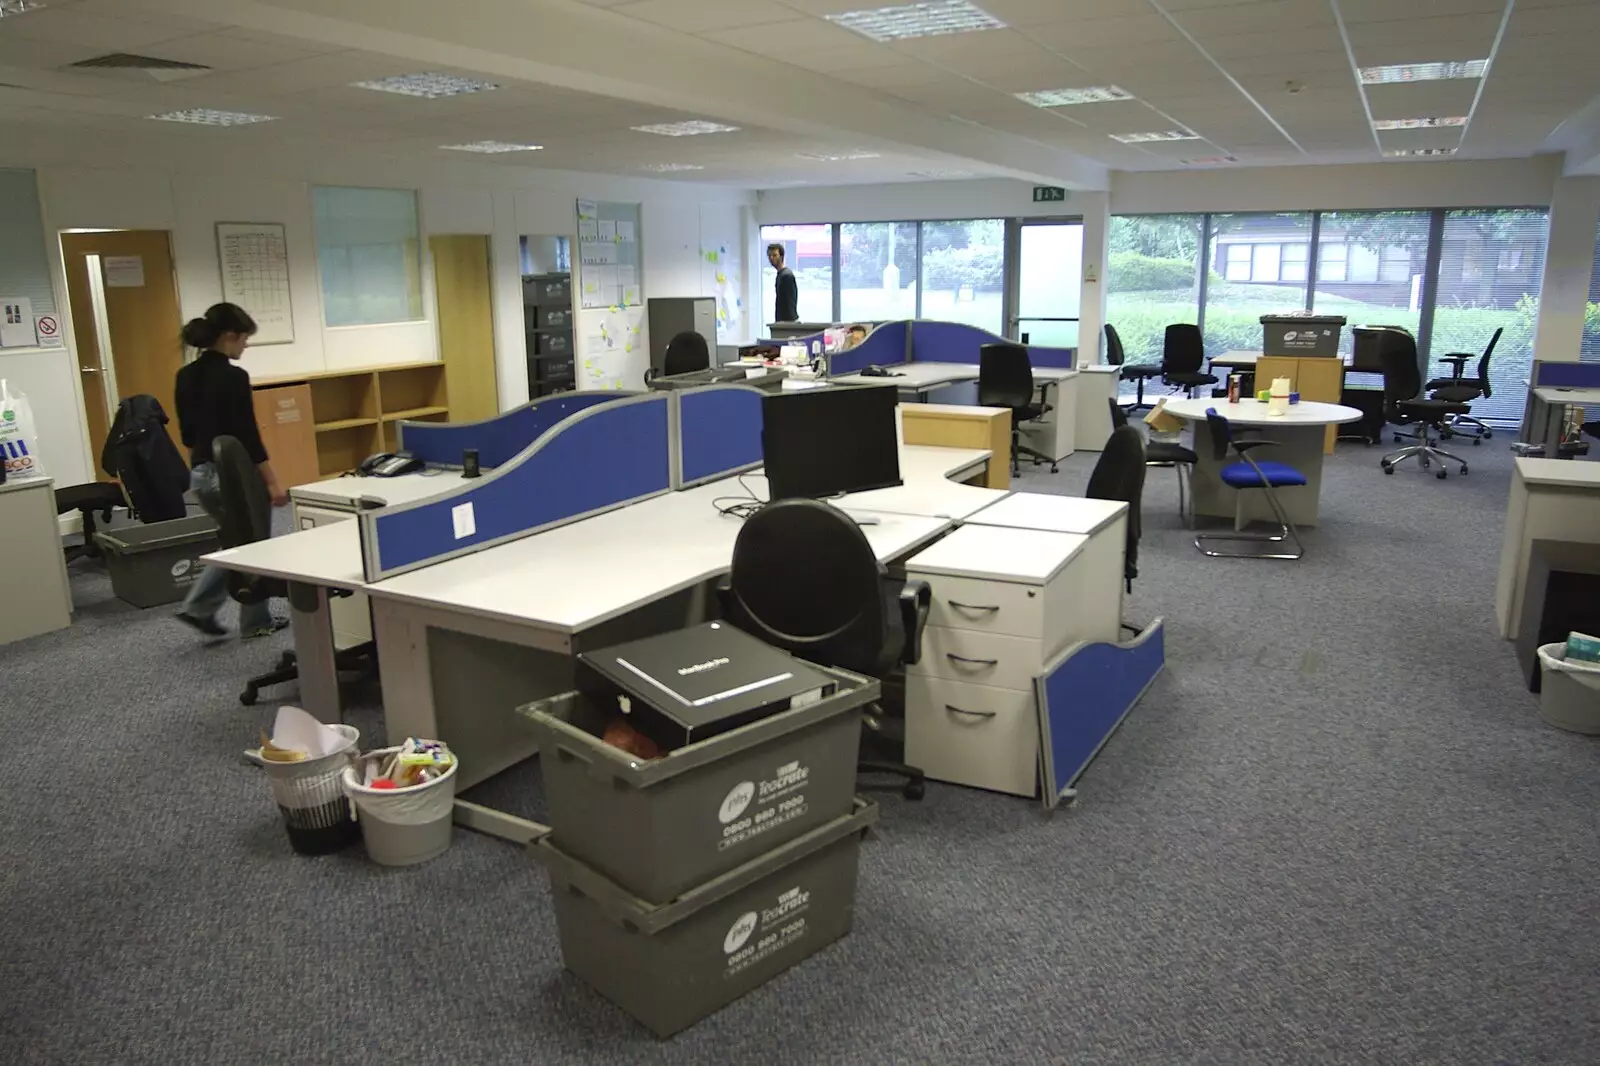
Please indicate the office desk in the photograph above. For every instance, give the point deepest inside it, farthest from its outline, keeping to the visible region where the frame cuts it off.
(1547, 413)
(1551, 499)
(949, 425)
(932, 485)
(1236, 360)
(34, 595)
(1300, 435)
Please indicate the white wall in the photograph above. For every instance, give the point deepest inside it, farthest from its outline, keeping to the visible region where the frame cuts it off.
(162, 187)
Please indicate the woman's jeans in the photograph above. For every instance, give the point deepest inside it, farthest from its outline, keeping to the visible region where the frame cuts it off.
(210, 590)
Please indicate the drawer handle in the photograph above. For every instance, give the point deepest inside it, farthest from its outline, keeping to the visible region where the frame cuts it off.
(975, 662)
(971, 606)
(973, 714)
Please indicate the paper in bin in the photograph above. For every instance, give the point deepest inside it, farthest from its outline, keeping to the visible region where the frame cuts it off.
(295, 730)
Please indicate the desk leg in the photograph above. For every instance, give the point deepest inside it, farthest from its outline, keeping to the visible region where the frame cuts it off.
(311, 622)
(1555, 420)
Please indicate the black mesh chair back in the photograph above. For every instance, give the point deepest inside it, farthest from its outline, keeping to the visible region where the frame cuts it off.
(1119, 417)
(1005, 376)
(1402, 378)
(1221, 435)
(1119, 475)
(1115, 355)
(1483, 363)
(805, 579)
(686, 352)
(246, 515)
(1183, 350)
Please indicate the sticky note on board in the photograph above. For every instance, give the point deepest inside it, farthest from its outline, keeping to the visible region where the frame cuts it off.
(462, 518)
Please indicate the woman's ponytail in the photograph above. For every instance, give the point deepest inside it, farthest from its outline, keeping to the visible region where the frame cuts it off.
(204, 332)
(200, 334)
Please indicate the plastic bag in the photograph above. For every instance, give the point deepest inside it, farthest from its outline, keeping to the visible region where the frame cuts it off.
(19, 436)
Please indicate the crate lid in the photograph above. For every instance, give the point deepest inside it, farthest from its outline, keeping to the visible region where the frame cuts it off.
(1288, 318)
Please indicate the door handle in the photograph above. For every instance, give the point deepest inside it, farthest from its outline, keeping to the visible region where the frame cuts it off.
(972, 606)
(975, 662)
(89, 370)
(973, 714)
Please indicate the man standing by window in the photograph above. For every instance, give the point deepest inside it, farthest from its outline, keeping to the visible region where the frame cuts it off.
(787, 308)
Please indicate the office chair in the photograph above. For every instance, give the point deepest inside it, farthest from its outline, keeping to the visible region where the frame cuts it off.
(686, 352)
(1005, 379)
(1183, 353)
(1138, 373)
(1403, 405)
(1248, 473)
(1458, 389)
(1119, 475)
(246, 518)
(1162, 453)
(805, 579)
(96, 496)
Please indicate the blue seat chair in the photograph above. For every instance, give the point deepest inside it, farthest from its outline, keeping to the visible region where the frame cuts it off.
(1251, 473)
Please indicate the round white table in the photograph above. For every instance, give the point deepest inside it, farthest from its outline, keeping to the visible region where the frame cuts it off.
(1301, 435)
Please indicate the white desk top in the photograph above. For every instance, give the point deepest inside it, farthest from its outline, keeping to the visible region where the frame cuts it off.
(327, 555)
(1059, 514)
(927, 491)
(999, 553)
(1560, 473)
(929, 375)
(14, 484)
(346, 492)
(1254, 412)
(1553, 395)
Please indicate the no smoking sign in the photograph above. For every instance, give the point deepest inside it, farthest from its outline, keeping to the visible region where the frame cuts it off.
(48, 329)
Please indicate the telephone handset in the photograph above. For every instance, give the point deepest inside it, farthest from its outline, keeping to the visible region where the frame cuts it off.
(389, 464)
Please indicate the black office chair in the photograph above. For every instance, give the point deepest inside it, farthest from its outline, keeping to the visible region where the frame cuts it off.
(1005, 379)
(1162, 453)
(1183, 353)
(1249, 473)
(805, 579)
(686, 352)
(1403, 404)
(1138, 373)
(97, 497)
(247, 518)
(1458, 389)
(1119, 475)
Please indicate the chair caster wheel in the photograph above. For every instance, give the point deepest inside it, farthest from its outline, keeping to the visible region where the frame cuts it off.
(1388, 468)
(1397, 438)
(248, 698)
(1488, 435)
(1053, 469)
(1476, 441)
(1441, 475)
(914, 790)
(1463, 469)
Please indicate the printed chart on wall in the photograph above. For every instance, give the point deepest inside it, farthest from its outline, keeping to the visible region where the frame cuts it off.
(611, 337)
(255, 275)
(608, 255)
(723, 277)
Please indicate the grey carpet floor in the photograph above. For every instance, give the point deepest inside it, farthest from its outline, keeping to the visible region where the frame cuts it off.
(1334, 831)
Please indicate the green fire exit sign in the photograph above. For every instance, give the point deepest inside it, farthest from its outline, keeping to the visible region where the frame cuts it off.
(1043, 194)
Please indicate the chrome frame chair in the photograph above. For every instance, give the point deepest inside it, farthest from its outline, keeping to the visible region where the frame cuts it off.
(1265, 479)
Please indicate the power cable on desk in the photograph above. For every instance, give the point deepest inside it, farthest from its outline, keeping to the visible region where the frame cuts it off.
(741, 507)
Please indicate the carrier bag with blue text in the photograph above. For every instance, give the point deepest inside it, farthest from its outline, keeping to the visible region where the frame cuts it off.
(19, 437)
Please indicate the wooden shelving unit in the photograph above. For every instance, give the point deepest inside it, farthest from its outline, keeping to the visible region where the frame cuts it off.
(354, 413)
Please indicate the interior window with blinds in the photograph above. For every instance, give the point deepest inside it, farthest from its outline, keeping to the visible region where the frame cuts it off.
(368, 255)
(24, 266)
(1590, 352)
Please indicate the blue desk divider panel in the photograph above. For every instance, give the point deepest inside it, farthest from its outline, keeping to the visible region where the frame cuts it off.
(957, 342)
(719, 432)
(1549, 374)
(885, 346)
(594, 461)
(1084, 695)
(501, 438)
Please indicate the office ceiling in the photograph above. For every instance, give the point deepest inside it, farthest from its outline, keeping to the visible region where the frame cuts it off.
(1267, 82)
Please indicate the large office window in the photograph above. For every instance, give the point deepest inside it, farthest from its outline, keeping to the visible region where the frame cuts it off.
(877, 270)
(1370, 267)
(1491, 264)
(1590, 351)
(963, 272)
(368, 255)
(1153, 279)
(808, 251)
(1259, 265)
(24, 270)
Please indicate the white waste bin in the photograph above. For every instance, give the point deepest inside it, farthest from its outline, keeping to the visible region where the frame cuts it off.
(404, 826)
(1569, 694)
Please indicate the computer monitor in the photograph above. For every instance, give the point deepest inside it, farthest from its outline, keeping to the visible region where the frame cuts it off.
(823, 442)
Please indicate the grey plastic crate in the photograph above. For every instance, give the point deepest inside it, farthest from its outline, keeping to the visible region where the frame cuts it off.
(662, 826)
(156, 563)
(670, 965)
(1315, 335)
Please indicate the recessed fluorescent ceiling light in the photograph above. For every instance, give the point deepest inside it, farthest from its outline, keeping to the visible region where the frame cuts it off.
(1473, 68)
(492, 147)
(205, 116)
(692, 128)
(1064, 97)
(672, 168)
(1164, 135)
(1400, 153)
(934, 18)
(1417, 123)
(427, 86)
(17, 7)
(1210, 161)
(836, 157)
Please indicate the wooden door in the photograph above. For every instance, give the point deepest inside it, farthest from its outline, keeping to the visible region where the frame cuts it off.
(462, 281)
(134, 282)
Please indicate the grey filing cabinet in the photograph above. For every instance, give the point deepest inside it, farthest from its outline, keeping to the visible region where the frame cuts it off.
(672, 315)
(548, 319)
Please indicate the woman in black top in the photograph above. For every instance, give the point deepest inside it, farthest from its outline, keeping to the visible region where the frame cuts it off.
(214, 399)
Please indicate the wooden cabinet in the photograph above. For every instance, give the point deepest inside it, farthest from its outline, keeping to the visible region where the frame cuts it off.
(346, 415)
(1319, 379)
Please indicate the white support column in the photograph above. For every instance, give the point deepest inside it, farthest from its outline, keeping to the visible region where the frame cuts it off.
(1096, 246)
(1569, 262)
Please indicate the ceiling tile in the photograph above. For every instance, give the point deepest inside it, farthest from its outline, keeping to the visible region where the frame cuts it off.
(1038, 12)
(805, 42)
(1440, 98)
(699, 16)
(1128, 30)
(1277, 16)
(1355, 11)
(1479, 29)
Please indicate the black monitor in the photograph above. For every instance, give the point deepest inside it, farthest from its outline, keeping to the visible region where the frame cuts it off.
(822, 442)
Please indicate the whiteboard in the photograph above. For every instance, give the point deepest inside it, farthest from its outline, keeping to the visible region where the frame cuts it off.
(608, 255)
(255, 275)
